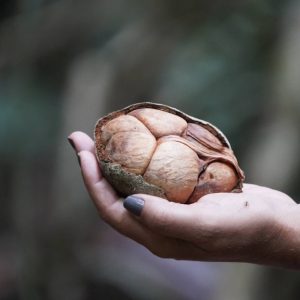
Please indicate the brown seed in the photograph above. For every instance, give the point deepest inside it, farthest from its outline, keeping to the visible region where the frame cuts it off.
(132, 150)
(159, 122)
(217, 178)
(174, 167)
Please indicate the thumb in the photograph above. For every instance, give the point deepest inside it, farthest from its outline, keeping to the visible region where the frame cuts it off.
(161, 216)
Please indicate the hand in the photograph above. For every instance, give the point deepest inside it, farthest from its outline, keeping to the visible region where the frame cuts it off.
(259, 225)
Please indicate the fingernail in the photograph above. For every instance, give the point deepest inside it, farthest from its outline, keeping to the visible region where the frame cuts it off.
(134, 205)
(71, 143)
(78, 158)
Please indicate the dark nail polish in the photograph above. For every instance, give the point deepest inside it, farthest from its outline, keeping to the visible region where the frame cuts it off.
(79, 161)
(72, 143)
(134, 205)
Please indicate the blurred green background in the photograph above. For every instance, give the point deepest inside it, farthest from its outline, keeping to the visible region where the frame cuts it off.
(64, 64)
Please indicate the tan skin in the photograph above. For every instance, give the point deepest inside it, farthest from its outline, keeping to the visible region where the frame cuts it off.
(259, 225)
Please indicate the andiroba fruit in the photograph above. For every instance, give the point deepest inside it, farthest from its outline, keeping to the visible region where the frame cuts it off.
(156, 149)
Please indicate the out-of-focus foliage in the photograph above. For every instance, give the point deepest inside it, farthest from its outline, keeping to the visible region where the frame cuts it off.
(65, 63)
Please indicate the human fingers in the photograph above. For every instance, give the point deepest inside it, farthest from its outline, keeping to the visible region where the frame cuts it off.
(161, 216)
(81, 141)
(106, 200)
(110, 208)
(211, 227)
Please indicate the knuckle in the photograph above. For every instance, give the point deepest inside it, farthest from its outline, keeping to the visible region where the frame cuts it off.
(161, 221)
(108, 215)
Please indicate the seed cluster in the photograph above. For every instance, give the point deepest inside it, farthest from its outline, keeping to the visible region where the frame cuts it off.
(174, 154)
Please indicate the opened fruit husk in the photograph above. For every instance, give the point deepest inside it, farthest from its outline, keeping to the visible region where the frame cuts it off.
(156, 149)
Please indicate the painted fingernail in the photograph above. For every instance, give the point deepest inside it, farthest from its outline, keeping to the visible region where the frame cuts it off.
(134, 205)
(71, 143)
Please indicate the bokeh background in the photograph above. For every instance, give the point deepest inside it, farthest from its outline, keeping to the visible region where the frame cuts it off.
(64, 64)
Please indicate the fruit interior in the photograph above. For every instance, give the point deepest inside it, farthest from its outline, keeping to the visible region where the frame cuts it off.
(182, 158)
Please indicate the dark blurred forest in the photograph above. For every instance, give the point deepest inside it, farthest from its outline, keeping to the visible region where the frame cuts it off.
(66, 63)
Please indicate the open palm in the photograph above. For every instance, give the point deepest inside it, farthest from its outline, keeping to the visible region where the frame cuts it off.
(248, 226)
